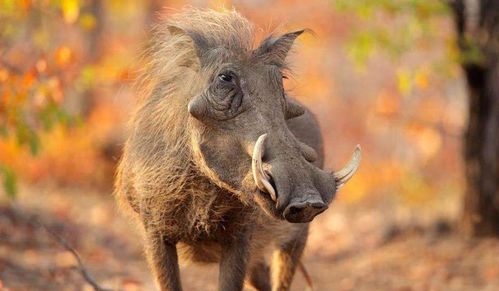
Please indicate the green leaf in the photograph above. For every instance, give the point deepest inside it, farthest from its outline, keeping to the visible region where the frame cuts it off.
(9, 182)
(28, 136)
(34, 144)
(4, 132)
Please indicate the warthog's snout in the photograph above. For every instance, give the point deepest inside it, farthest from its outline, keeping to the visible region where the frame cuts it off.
(304, 211)
(297, 189)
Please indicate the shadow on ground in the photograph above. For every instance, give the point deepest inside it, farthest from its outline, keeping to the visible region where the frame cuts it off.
(393, 257)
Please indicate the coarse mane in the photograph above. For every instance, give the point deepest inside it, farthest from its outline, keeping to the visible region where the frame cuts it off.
(171, 52)
(158, 162)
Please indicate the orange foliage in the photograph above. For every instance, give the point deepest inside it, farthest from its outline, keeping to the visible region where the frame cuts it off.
(399, 112)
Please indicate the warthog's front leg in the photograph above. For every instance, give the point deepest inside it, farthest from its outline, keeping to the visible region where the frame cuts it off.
(233, 262)
(259, 276)
(286, 259)
(162, 257)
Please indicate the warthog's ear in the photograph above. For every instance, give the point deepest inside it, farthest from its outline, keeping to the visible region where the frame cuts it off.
(293, 109)
(275, 50)
(199, 42)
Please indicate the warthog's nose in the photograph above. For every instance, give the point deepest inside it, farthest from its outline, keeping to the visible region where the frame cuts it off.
(304, 211)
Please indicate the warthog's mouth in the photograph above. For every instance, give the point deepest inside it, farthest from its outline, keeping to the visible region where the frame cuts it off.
(267, 202)
(265, 185)
(274, 194)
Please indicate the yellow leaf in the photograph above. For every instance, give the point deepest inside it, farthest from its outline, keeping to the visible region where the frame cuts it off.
(70, 10)
(421, 79)
(4, 74)
(404, 81)
(28, 80)
(63, 55)
(26, 5)
(88, 21)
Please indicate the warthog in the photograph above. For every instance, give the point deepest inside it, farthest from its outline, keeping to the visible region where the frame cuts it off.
(221, 165)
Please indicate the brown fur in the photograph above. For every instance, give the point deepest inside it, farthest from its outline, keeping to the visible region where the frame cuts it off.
(161, 177)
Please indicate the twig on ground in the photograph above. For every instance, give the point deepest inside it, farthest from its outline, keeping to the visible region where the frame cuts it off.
(307, 277)
(81, 267)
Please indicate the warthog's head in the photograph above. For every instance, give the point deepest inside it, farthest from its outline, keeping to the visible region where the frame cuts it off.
(238, 112)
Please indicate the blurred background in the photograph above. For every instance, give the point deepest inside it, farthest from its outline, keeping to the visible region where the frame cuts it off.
(415, 82)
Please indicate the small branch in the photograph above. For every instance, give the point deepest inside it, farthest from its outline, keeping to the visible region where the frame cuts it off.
(81, 267)
(308, 279)
(11, 67)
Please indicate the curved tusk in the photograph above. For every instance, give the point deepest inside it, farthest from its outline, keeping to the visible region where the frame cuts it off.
(259, 175)
(343, 175)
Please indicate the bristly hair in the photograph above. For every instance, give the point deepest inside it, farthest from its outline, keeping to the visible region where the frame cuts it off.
(170, 50)
(158, 165)
(179, 41)
(158, 162)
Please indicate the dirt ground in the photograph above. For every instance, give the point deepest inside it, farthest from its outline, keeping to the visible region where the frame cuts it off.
(357, 247)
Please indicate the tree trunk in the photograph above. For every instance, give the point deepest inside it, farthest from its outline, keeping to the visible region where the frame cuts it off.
(477, 23)
(94, 52)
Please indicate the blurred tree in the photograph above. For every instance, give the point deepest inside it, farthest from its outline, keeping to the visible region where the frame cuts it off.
(477, 24)
(41, 64)
(95, 12)
(31, 90)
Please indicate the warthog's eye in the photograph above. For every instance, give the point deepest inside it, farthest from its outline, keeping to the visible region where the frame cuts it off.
(224, 95)
(225, 77)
